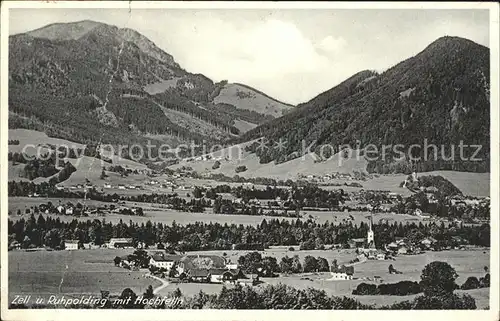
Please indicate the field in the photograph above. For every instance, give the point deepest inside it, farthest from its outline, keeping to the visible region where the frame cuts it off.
(155, 213)
(90, 271)
(411, 266)
(74, 272)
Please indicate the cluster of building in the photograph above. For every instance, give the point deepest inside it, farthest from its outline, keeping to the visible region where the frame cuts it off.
(114, 243)
(201, 268)
(123, 186)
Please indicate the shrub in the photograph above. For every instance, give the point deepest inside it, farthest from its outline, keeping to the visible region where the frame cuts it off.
(240, 169)
(365, 289)
(216, 165)
(400, 288)
(307, 245)
(471, 283)
(485, 282)
(444, 302)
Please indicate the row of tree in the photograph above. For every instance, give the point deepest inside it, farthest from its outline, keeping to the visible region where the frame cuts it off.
(214, 236)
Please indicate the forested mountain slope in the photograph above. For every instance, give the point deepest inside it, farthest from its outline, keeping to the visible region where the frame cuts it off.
(440, 95)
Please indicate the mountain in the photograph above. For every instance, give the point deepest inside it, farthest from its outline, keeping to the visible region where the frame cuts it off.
(441, 94)
(88, 81)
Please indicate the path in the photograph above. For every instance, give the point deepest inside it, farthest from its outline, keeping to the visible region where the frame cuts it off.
(163, 285)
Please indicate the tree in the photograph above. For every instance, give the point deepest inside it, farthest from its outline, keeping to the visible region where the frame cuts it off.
(177, 293)
(117, 260)
(269, 266)
(173, 271)
(141, 257)
(307, 245)
(296, 266)
(444, 302)
(438, 278)
(52, 239)
(128, 298)
(197, 192)
(471, 283)
(149, 294)
(310, 264)
(286, 264)
(251, 262)
(323, 265)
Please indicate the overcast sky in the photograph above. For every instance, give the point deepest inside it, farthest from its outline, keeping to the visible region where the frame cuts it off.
(292, 55)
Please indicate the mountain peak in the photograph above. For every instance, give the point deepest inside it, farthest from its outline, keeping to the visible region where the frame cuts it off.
(80, 29)
(447, 43)
(65, 31)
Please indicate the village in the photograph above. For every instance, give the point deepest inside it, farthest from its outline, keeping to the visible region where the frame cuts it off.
(163, 263)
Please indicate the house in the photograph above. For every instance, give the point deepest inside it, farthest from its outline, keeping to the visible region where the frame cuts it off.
(120, 243)
(403, 250)
(357, 243)
(60, 209)
(121, 186)
(71, 245)
(393, 246)
(217, 275)
(252, 279)
(428, 242)
(224, 275)
(199, 275)
(340, 276)
(161, 260)
(15, 245)
(69, 211)
(107, 185)
(235, 274)
(231, 266)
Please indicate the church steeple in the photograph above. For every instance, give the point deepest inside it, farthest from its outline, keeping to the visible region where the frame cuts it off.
(370, 238)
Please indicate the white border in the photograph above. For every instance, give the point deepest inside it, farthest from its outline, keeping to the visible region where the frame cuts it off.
(492, 314)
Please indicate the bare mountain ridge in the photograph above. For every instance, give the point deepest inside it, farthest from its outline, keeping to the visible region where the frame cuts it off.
(76, 30)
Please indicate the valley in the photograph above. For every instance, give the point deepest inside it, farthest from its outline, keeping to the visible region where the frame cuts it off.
(129, 175)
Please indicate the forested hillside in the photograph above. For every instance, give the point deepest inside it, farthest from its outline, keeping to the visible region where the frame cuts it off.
(88, 82)
(441, 94)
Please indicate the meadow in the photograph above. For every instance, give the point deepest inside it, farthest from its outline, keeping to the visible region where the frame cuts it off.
(72, 273)
(466, 262)
(160, 214)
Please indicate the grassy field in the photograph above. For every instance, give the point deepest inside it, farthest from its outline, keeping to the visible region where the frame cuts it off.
(72, 273)
(90, 271)
(466, 263)
(153, 212)
(157, 213)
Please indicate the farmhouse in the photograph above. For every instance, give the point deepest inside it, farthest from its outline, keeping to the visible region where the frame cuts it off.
(218, 276)
(341, 276)
(120, 243)
(199, 275)
(161, 260)
(428, 242)
(71, 244)
(357, 243)
(214, 275)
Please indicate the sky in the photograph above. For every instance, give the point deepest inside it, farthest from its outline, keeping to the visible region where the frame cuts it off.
(292, 55)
